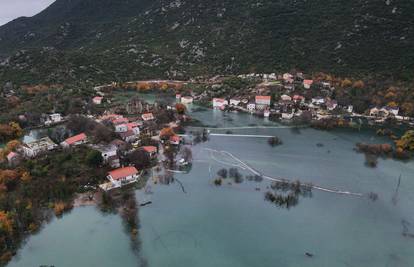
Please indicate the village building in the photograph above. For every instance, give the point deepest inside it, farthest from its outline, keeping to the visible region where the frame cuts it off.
(285, 98)
(350, 108)
(262, 101)
(219, 103)
(326, 85)
(109, 155)
(318, 100)
(150, 150)
(307, 84)
(331, 104)
(251, 107)
(13, 159)
(178, 97)
(235, 101)
(266, 113)
(288, 78)
(128, 136)
(32, 149)
(121, 128)
(97, 100)
(379, 112)
(393, 110)
(298, 99)
(119, 121)
(187, 100)
(75, 140)
(147, 116)
(110, 117)
(287, 116)
(121, 177)
(175, 140)
(53, 118)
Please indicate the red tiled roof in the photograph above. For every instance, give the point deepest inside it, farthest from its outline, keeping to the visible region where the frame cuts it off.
(263, 97)
(132, 125)
(307, 82)
(74, 139)
(147, 116)
(11, 155)
(175, 138)
(122, 172)
(120, 121)
(150, 149)
(98, 98)
(218, 100)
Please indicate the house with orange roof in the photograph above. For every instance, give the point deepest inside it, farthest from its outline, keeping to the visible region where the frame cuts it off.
(175, 140)
(97, 100)
(121, 177)
(121, 120)
(147, 116)
(219, 103)
(307, 83)
(75, 140)
(262, 101)
(150, 150)
(13, 158)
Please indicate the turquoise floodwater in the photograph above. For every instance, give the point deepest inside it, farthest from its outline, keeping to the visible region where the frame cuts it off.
(233, 226)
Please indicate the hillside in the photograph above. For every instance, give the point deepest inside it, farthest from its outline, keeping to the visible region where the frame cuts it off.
(104, 40)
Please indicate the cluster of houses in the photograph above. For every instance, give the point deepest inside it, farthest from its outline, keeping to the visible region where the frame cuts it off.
(291, 103)
(129, 136)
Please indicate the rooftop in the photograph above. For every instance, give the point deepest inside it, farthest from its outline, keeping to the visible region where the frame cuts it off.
(74, 139)
(122, 172)
(150, 149)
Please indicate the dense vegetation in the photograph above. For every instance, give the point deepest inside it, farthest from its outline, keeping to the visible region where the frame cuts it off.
(29, 193)
(119, 40)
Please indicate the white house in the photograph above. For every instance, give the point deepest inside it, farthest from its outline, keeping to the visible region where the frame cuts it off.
(219, 103)
(251, 107)
(123, 176)
(32, 149)
(121, 128)
(393, 110)
(285, 98)
(307, 83)
(53, 118)
(97, 100)
(234, 102)
(350, 109)
(287, 116)
(266, 113)
(331, 104)
(147, 116)
(75, 140)
(287, 77)
(318, 100)
(109, 154)
(187, 100)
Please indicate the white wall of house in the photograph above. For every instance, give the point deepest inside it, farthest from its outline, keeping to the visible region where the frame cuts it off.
(121, 128)
(123, 180)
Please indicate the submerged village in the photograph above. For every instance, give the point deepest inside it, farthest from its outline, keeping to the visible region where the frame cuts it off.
(113, 143)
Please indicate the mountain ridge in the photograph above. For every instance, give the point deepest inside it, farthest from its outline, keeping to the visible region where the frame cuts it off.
(123, 39)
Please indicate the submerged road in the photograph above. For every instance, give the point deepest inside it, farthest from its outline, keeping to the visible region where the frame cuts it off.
(245, 166)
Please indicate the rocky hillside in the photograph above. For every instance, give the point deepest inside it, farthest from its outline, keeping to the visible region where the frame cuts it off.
(104, 40)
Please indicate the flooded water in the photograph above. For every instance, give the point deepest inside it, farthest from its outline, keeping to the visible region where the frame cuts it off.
(232, 225)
